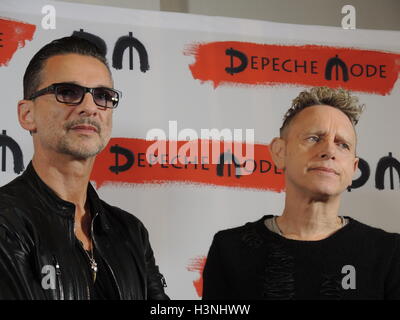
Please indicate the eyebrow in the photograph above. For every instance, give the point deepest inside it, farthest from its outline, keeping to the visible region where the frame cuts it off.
(77, 83)
(323, 134)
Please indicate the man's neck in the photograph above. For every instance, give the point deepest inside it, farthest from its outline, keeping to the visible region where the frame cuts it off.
(66, 177)
(69, 179)
(309, 218)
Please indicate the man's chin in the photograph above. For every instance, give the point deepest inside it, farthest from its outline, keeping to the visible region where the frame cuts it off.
(81, 156)
(325, 194)
(81, 153)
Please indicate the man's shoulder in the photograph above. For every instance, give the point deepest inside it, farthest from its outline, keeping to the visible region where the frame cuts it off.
(374, 235)
(12, 190)
(12, 195)
(13, 208)
(246, 233)
(366, 228)
(116, 213)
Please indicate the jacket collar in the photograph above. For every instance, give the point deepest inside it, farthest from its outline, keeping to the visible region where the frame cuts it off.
(62, 207)
(96, 206)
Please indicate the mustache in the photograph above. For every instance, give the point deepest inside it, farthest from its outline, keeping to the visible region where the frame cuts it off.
(83, 121)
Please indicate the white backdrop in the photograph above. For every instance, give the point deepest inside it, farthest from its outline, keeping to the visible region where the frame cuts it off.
(182, 216)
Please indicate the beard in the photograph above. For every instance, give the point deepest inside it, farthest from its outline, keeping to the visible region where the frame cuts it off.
(80, 151)
(83, 147)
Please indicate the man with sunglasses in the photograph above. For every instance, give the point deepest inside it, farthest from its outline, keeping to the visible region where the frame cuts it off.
(58, 239)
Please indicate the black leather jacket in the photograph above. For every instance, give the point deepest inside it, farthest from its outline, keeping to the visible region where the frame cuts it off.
(37, 231)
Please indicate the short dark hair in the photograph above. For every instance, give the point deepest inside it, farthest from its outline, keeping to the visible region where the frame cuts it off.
(66, 45)
(338, 98)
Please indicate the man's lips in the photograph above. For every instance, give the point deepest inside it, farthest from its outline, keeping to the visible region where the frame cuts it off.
(84, 128)
(324, 169)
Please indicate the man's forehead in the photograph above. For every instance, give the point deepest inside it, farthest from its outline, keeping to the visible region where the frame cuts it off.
(76, 68)
(323, 119)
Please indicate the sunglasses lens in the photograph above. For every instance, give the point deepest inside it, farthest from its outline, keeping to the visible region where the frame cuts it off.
(69, 93)
(105, 97)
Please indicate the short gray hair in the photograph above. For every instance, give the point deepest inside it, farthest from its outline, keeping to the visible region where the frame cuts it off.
(338, 98)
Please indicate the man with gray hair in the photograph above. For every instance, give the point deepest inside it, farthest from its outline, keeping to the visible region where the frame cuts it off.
(310, 251)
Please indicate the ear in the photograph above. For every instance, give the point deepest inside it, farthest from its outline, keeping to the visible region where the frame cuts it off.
(278, 149)
(26, 115)
(356, 161)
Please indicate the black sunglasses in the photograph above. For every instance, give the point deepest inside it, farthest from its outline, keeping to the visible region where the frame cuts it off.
(73, 94)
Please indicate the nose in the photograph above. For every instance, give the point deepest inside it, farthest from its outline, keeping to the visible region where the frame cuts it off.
(328, 150)
(87, 106)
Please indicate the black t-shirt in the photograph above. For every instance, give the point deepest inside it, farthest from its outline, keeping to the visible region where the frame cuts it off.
(252, 262)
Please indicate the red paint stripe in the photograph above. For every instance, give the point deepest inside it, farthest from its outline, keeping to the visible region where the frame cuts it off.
(211, 61)
(14, 34)
(264, 177)
(197, 265)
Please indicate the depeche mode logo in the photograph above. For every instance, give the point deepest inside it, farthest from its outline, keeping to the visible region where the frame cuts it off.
(334, 68)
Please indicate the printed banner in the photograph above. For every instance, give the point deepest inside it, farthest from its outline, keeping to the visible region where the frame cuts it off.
(262, 64)
(217, 75)
(125, 161)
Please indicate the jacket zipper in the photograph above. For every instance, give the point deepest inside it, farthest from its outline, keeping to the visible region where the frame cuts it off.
(109, 267)
(87, 285)
(58, 277)
(73, 236)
